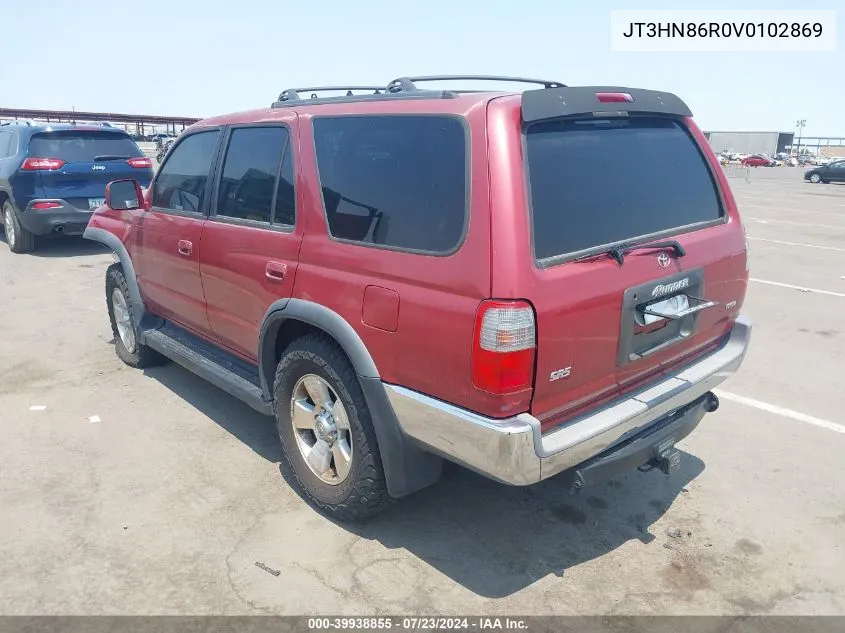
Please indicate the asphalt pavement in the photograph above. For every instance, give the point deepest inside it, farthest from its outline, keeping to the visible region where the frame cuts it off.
(152, 492)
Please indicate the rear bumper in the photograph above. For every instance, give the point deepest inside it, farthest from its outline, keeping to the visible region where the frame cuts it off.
(514, 451)
(64, 219)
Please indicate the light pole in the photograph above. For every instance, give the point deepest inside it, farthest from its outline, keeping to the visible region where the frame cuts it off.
(800, 123)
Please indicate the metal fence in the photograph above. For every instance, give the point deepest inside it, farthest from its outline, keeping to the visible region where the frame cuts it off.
(733, 170)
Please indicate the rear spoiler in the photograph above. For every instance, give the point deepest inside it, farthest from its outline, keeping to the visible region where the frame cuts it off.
(554, 103)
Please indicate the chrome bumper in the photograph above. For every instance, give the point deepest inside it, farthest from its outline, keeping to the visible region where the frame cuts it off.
(514, 451)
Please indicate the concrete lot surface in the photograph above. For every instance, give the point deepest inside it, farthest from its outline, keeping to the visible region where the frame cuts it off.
(152, 492)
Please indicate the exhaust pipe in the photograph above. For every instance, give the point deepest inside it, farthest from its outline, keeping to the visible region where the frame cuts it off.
(712, 402)
(60, 228)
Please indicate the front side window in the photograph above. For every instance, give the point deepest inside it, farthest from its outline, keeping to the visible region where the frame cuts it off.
(394, 181)
(249, 174)
(181, 182)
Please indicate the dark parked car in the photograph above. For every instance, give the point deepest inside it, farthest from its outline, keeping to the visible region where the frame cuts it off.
(413, 275)
(53, 176)
(832, 172)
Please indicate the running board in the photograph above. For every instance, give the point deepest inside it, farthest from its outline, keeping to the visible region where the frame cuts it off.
(208, 362)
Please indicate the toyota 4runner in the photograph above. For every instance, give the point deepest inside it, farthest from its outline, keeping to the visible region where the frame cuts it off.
(529, 284)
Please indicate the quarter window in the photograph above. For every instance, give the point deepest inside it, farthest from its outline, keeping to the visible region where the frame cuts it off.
(394, 181)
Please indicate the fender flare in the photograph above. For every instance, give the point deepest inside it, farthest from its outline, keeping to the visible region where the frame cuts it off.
(113, 242)
(320, 317)
(407, 467)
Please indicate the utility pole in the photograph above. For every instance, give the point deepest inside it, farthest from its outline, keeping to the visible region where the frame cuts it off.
(800, 123)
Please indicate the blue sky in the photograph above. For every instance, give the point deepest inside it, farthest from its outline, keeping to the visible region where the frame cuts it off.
(201, 59)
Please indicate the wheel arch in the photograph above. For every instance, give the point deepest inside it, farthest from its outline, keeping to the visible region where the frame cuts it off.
(113, 242)
(407, 467)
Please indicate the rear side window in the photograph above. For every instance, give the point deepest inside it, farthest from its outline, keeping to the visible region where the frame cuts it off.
(249, 173)
(79, 146)
(598, 182)
(394, 181)
(181, 182)
(5, 139)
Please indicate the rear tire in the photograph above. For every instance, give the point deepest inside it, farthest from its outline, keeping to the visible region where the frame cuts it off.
(123, 325)
(18, 238)
(350, 484)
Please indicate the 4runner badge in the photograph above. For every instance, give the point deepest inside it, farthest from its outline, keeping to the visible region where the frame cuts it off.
(662, 289)
(560, 373)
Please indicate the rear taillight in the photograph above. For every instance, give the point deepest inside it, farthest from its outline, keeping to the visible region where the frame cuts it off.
(39, 164)
(45, 205)
(614, 97)
(503, 347)
(140, 163)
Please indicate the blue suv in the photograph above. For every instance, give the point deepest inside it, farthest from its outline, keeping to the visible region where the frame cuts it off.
(53, 176)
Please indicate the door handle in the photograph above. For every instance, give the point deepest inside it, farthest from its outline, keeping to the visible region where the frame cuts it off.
(185, 247)
(275, 271)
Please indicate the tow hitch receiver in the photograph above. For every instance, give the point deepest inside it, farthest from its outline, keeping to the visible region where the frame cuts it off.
(650, 449)
(666, 457)
(669, 461)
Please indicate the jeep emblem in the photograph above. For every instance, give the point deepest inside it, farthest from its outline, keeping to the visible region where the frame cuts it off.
(663, 260)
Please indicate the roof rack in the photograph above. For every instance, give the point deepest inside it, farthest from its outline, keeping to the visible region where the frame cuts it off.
(292, 94)
(28, 122)
(401, 88)
(408, 84)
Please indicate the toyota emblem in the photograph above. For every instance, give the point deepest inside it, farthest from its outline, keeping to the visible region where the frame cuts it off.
(663, 260)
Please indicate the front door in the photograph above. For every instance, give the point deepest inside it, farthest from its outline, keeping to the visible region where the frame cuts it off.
(167, 246)
(250, 244)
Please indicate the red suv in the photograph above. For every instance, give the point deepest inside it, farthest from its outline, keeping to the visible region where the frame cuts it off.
(517, 282)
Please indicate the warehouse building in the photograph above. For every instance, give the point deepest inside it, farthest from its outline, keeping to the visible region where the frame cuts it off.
(770, 143)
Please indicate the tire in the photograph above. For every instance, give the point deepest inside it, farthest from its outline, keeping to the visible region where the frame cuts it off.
(815, 178)
(18, 238)
(362, 492)
(123, 325)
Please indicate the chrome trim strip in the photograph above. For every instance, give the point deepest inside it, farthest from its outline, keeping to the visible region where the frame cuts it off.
(514, 450)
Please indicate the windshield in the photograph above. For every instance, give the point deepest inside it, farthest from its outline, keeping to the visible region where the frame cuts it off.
(598, 182)
(76, 146)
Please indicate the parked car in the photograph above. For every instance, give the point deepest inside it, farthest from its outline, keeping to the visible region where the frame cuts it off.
(396, 281)
(52, 176)
(758, 160)
(832, 172)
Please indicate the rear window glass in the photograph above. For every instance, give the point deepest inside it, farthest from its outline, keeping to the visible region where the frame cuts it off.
(598, 182)
(396, 181)
(81, 146)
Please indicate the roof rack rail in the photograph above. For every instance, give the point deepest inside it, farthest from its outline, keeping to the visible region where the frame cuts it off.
(408, 84)
(28, 122)
(292, 94)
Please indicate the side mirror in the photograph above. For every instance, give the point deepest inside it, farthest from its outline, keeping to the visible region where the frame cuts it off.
(124, 195)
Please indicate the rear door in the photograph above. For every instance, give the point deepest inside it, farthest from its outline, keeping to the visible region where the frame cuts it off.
(250, 244)
(599, 181)
(88, 159)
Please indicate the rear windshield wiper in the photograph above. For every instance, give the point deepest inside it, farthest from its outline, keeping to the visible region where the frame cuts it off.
(617, 253)
(105, 157)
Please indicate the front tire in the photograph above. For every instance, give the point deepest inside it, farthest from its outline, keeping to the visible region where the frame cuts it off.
(815, 178)
(18, 238)
(326, 431)
(123, 325)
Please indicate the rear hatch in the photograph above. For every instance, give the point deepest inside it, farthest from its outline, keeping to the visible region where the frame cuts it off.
(631, 170)
(81, 163)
